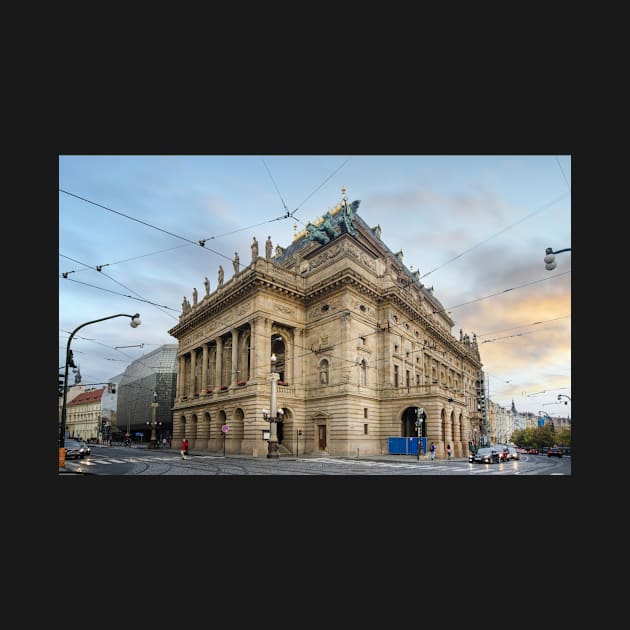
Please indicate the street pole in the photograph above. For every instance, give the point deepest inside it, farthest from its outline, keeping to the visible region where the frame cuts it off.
(135, 322)
(154, 407)
(273, 425)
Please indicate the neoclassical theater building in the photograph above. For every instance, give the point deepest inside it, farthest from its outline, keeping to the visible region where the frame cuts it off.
(359, 345)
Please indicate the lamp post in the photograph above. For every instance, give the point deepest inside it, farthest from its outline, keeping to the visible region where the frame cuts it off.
(154, 423)
(135, 322)
(550, 259)
(274, 415)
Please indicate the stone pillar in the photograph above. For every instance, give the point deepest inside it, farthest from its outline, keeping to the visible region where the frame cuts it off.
(297, 375)
(253, 344)
(204, 369)
(193, 361)
(263, 347)
(218, 364)
(235, 374)
(181, 376)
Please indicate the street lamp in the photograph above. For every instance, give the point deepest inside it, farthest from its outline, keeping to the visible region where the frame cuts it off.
(154, 423)
(274, 415)
(135, 322)
(550, 259)
(564, 396)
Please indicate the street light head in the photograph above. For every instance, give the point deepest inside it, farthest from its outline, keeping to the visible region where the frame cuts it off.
(551, 266)
(135, 321)
(280, 412)
(273, 358)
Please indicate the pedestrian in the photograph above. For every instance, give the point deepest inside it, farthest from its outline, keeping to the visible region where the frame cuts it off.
(448, 451)
(184, 448)
(432, 449)
(163, 442)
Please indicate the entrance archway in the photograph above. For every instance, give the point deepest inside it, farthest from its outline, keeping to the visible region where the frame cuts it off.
(408, 424)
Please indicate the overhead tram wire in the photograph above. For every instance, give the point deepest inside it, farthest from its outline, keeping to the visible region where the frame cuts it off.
(127, 296)
(119, 283)
(100, 267)
(544, 321)
(122, 214)
(531, 214)
(485, 297)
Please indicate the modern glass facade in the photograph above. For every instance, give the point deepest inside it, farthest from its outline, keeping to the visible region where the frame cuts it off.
(155, 371)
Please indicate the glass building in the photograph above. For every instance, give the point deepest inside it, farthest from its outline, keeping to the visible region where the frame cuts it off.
(153, 372)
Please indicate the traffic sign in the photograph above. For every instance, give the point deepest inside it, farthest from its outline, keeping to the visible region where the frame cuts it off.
(225, 428)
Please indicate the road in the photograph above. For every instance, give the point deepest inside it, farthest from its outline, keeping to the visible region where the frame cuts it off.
(141, 461)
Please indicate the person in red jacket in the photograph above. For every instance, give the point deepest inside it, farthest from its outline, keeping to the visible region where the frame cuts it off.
(184, 448)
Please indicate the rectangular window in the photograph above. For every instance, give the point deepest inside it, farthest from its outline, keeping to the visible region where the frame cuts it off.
(407, 378)
(365, 412)
(365, 428)
(395, 376)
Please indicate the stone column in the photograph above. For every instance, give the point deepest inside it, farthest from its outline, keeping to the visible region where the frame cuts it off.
(235, 376)
(263, 348)
(218, 364)
(181, 376)
(297, 375)
(204, 369)
(193, 361)
(253, 344)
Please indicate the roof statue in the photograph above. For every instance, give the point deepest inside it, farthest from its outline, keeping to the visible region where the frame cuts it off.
(332, 225)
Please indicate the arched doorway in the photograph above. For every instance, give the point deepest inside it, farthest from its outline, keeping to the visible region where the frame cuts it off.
(408, 423)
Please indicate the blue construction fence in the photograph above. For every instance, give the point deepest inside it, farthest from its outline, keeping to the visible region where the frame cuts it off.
(407, 445)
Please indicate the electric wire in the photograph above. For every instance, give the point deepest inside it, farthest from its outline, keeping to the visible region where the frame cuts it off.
(485, 297)
(505, 229)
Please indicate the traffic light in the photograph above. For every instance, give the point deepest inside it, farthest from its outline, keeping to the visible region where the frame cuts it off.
(61, 382)
(71, 359)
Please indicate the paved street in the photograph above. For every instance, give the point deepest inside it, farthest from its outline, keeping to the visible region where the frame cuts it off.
(142, 461)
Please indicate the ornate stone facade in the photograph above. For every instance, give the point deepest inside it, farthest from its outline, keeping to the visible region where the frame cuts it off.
(360, 344)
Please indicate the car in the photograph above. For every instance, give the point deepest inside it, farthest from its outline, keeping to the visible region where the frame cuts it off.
(85, 448)
(514, 452)
(554, 451)
(73, 449)
(487, 455)
(504, 453)
(532, 451)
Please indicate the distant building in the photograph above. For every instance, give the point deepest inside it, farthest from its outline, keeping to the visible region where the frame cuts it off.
(83, 414)
(153, 372)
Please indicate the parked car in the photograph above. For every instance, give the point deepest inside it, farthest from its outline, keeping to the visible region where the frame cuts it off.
(514, 452)
(73, 449)
(532, 451)
(487, 455)
(554, 450)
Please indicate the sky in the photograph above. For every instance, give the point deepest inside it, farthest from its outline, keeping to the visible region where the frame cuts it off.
(476, 226)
